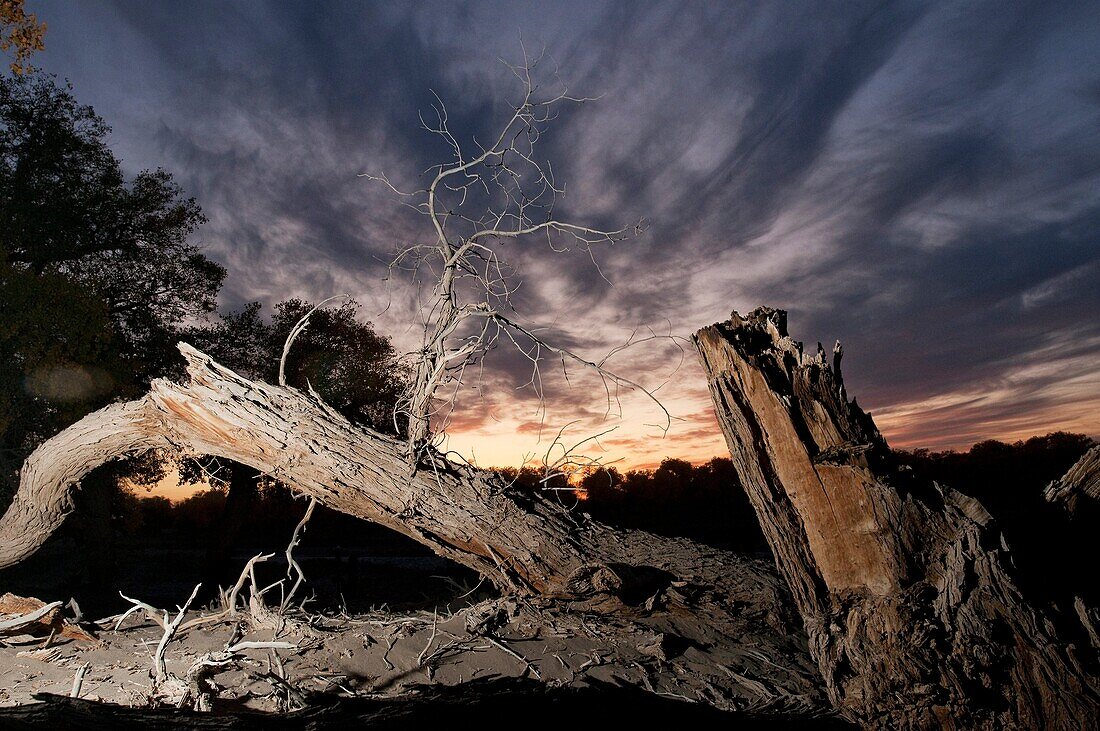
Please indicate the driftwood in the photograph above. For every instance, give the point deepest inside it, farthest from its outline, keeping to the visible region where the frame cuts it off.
(28, 617)
(526, 542)
(907, 590)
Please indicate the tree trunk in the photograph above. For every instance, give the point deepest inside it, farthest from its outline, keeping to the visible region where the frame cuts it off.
(907, 590)
(522, 541)
(241, 494)
(527, 543)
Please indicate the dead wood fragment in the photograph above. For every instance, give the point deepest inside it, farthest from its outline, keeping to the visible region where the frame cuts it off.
(31, 617)
(1078, 491)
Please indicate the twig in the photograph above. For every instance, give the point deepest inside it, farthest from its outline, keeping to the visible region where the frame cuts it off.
(529, 666)
(249, 571)
(431, 639)
(78, 680)
(292, 564)
(297, 330)
(154, 614)
(170, 628)
(252, 645)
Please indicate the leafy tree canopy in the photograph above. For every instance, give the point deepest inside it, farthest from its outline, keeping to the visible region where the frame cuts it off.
(66, 208)
(98, 274)
(352, 367)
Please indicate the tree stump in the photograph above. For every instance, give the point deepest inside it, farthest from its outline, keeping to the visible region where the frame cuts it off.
(906, 589)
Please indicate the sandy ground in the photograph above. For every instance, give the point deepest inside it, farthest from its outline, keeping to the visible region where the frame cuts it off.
(385, 655)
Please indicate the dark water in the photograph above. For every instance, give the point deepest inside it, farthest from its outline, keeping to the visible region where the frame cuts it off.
(490, 704)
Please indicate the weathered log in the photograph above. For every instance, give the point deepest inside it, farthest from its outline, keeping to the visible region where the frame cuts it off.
(522, 541)
(527, 543)
(907, 590)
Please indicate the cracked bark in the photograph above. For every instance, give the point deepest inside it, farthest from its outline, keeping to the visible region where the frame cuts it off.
(906, 590)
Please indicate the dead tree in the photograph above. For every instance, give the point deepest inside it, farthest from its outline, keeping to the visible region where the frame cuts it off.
(907, 590)
(475, 202)
(526, 542)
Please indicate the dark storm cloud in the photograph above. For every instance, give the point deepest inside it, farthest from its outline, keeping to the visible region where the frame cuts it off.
(920, 179)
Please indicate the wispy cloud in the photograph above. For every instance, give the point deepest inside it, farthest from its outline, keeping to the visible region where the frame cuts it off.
(919, 179)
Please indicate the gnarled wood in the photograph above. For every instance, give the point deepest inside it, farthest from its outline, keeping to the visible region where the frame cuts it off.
(906, 589)
(523, 542)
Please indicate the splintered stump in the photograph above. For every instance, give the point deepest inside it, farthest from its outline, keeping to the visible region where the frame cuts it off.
(720, 610)
(906, 589)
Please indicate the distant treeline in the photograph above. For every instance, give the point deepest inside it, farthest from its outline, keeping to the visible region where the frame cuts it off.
(704, 502)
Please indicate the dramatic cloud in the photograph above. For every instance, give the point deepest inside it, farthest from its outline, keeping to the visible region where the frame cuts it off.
(920, 180)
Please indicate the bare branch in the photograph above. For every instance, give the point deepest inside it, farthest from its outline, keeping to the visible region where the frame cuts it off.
(297, 330)
(292, 565)
(170, 627)
(474, 204)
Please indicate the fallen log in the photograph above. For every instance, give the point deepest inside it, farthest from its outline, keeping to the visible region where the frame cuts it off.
(906, 589)
(525, 542)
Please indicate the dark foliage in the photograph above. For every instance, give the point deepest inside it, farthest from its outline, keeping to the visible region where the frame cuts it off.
(352, 367)
(994, 471)
(97, 274)
(272, 515)
(703, 502)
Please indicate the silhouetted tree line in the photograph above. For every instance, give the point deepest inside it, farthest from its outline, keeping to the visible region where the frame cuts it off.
(273, 512)
(704, 502)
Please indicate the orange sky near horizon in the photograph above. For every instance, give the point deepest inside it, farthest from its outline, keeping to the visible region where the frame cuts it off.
(501, 434)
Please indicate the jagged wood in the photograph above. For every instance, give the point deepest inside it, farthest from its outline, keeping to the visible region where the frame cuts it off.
(1078, 491)
(906, 589)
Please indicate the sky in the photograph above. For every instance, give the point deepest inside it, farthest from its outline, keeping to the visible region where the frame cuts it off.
(920, 180)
